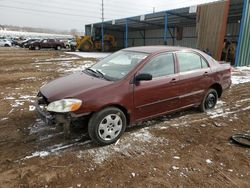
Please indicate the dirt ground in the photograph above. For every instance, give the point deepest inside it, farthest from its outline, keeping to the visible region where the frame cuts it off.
(185, 149)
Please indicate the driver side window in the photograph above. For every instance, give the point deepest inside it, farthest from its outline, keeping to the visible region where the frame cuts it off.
(159, 66)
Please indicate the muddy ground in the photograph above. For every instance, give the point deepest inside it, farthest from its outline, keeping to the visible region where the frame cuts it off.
(186, 149)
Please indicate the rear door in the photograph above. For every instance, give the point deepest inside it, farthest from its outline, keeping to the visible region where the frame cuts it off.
(194, 75)
(51, 43)
(160, 94)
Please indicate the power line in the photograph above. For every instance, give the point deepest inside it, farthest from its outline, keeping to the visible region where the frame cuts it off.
(45, 11)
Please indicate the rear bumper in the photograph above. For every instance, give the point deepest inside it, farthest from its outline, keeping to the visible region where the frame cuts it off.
(46, 117)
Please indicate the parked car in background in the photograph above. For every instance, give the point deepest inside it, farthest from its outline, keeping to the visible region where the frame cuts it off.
(47, 43)
(5, 43)
(14, 42)
(133, 85)
(29, 42)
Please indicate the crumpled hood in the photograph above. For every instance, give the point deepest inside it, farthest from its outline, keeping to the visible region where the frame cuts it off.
(71, 86)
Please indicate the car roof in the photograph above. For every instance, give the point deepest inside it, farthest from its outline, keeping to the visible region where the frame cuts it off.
(155, 49)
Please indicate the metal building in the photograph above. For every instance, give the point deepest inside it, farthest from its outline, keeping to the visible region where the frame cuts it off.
(179, 28)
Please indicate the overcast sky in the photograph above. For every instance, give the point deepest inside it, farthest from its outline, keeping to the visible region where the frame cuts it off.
(70, 14)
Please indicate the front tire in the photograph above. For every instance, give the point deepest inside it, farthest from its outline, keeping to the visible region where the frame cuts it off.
(106, 126)
(209, 100)
(37, 48)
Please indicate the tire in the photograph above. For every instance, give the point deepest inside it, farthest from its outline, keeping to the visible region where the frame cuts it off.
(36, 48)
(86, 47)
(106, 126)
(6, 45)
(58, 48)
(209, 100)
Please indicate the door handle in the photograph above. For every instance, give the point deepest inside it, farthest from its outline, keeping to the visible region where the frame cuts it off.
(205, 74)
(173, 80)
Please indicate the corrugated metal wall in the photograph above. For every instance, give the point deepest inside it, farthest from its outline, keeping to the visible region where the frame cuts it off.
(243, 50)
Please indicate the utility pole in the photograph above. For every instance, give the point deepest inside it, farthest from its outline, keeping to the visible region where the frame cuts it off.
(102, 25)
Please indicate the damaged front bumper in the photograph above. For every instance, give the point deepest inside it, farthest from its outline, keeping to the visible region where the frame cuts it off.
(44, 115)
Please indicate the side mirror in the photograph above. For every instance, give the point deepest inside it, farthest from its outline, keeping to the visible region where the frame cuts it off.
(143, 77)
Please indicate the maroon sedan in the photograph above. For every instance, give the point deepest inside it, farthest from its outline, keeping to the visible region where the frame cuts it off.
(132, 85)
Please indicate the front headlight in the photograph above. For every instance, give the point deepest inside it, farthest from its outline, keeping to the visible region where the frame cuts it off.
(64, 105)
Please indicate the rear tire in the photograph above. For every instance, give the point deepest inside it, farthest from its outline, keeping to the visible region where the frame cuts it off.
(58, 48)
(6, 45)
(209, 100)
(36, 48)
(106, 126)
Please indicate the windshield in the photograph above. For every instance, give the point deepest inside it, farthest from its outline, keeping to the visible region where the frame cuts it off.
(118, 65)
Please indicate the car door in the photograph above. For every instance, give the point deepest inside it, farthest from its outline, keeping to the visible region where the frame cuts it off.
(160, 94)
(44, 43)
(194, 77)
(51, 43)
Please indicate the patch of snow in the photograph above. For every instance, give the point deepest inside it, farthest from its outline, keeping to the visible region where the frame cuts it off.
(5, 118)
(134, 143)
(26, 97)
(96, 55)
(32, 108)
(133, 174)
(230, 170)
(240, 75)
(32, 34)
(78, 67)
(208, 161)
(62, 59)
(9, 98)
(175, 168)
(176, 157)
(37, 154)
(28, 78)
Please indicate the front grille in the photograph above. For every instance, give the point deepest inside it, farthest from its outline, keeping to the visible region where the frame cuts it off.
(41, 99)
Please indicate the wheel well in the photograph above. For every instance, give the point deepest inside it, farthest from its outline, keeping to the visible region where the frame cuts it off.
(218, 88)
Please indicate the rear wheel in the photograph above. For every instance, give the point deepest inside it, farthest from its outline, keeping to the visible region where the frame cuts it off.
(107, 126)
(209, 100)
(6, 45)
(37, 48)
(58, 48)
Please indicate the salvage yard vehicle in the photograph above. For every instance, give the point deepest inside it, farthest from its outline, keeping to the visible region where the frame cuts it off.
(133, 85)
(47, 43)
(5, 43)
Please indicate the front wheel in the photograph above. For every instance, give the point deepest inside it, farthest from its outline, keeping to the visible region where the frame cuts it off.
(209, 100)
(107, 126)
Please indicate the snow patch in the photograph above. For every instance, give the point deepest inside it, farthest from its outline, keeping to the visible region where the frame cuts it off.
(240, 75)
(208, 161)
(134, 143)
(37, 154)
(96, 55)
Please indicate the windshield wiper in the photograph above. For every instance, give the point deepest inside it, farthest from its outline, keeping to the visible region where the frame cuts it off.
(92, 71)
(97, 73)
(101, 74)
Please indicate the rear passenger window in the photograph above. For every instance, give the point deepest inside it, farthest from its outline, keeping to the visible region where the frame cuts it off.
(161, 65)
(204, 63)
(188, 61)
